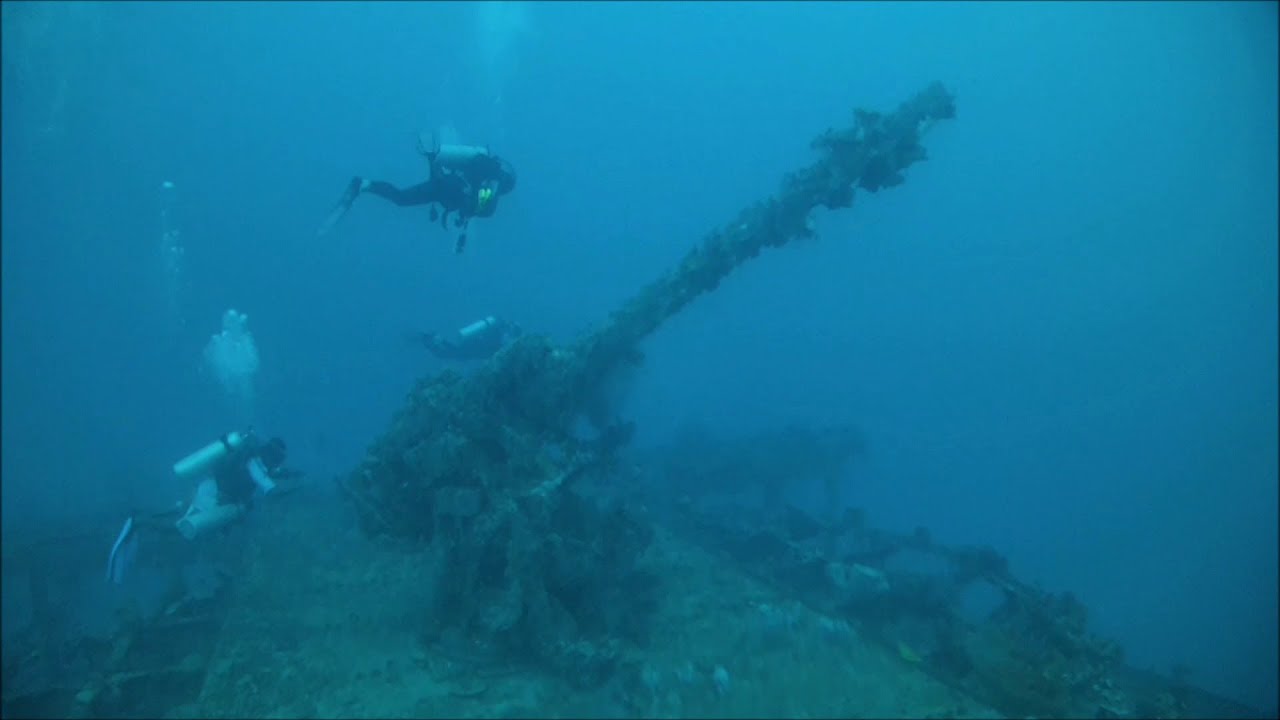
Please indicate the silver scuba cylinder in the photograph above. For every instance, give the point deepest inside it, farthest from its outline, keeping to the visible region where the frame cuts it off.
(458, 156)
(201, 460)
(478, 326)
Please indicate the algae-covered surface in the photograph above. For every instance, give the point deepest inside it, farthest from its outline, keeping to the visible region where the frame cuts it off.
(343, 632)
(322, 621)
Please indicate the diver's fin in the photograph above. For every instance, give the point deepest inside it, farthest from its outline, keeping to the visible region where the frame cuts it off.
(344, 204)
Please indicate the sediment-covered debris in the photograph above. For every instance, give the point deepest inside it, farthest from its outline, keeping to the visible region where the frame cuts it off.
(957, 613)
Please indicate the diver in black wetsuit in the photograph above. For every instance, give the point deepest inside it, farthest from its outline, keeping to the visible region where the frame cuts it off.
(465, 181)
(477, 341)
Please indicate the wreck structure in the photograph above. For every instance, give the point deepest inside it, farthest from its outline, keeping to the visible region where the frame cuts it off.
(480, 469)
(526, 544)
(956, 613)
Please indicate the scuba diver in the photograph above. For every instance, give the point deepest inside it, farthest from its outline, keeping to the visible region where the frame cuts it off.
(477, 341)
(463, 180)
(231, 471)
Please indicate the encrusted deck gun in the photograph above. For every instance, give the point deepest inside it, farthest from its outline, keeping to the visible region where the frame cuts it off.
(506, 429)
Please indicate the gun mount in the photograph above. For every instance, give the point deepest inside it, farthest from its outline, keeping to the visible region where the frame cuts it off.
(480, 468)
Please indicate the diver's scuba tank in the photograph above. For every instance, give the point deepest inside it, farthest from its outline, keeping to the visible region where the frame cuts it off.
(455, 157)
(201, 460)
(478, 327)
(442, 147)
